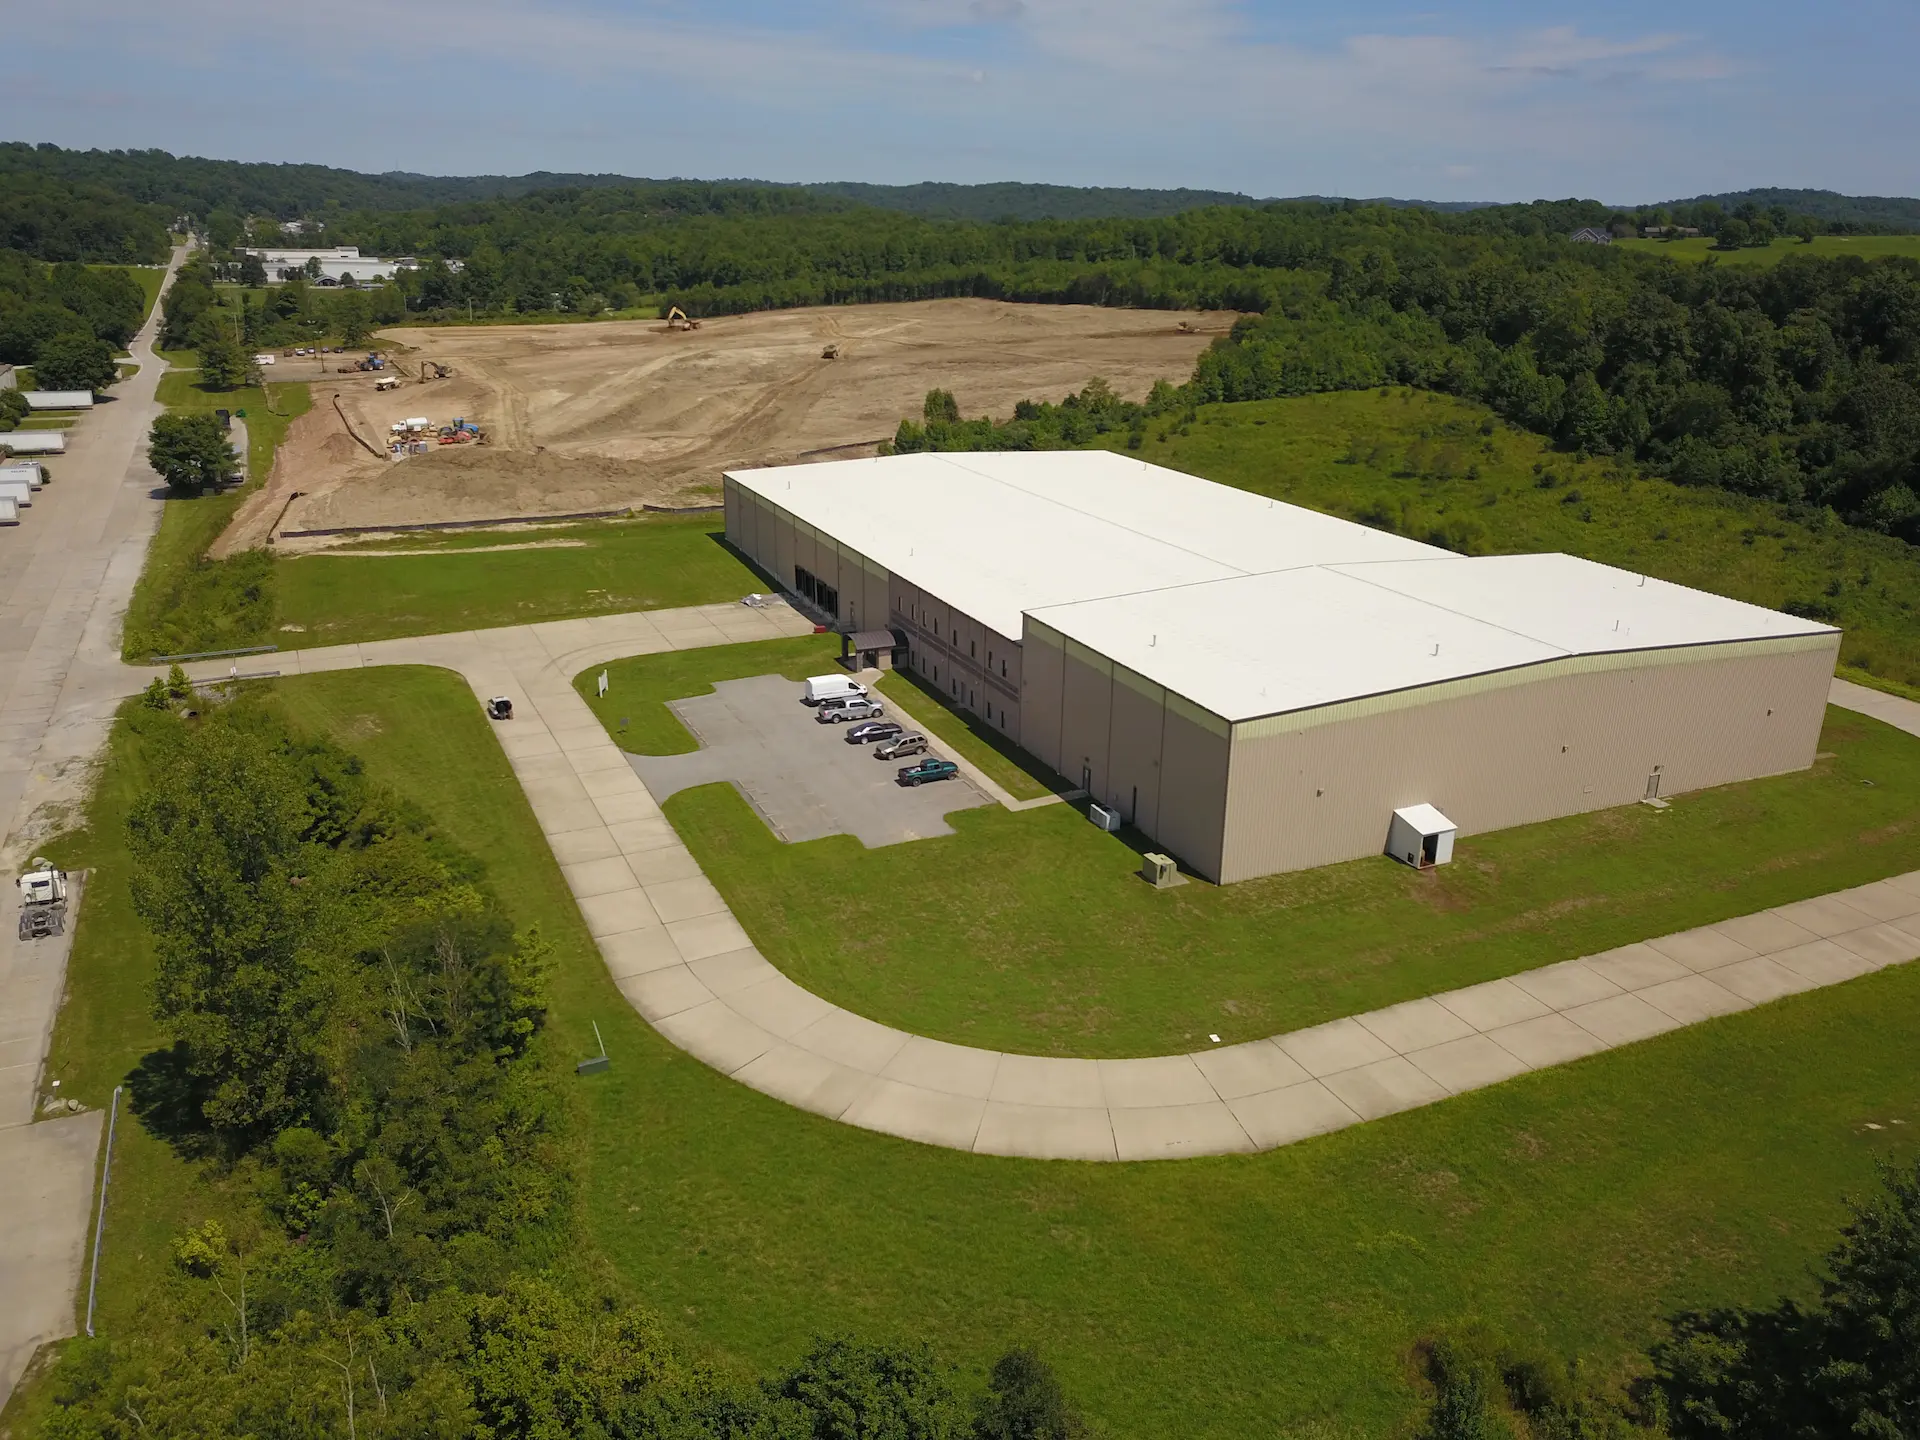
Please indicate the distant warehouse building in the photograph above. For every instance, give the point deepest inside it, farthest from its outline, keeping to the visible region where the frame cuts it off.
(1260, 687)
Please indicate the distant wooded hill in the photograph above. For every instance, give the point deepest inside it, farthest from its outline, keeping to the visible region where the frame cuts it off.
(1888, 211)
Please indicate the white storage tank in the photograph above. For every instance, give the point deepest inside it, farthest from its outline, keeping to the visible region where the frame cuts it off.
(1420, 836)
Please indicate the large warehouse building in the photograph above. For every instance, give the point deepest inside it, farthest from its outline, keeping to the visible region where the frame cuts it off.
(1260, 687)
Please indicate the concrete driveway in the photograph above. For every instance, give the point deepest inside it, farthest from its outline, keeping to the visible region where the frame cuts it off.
(801, 776)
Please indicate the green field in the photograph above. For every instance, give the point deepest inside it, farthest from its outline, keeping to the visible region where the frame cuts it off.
(184, 602)
(1449, 472)
(1277, 1294)
(458, 583)
(1698, 248)
(634, 709)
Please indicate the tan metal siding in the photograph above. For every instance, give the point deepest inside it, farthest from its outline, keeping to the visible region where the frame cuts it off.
(1133, 748)
(1041, 692)
(736, 524)
(1194, 763)
(1086, 711)
(1571, 741)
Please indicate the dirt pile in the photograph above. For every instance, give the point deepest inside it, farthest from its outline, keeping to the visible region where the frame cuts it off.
(598, 416)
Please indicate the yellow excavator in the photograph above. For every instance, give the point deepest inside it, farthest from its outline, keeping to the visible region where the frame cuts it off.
(678, 319)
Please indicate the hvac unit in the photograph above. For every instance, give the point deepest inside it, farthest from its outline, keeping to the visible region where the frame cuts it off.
(1159, 871)
(1106, 819)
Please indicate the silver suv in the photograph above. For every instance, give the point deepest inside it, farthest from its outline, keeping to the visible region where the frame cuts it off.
(912, 743)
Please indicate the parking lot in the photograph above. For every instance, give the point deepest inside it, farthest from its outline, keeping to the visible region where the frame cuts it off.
(802, 777)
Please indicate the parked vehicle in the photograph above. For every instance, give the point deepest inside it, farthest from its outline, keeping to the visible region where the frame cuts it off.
(898, 748)
(872, 730)
(857, 707)
(830, 687)
(499, 708)
(931, 768)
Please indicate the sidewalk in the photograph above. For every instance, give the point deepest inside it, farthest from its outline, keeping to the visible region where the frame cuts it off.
(680, 957)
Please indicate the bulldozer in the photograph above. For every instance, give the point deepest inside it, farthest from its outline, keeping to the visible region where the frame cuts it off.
(678, 319)
(433, 370)
(1187, 327)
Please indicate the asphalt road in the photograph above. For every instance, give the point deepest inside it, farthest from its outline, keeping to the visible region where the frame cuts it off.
(67, 572)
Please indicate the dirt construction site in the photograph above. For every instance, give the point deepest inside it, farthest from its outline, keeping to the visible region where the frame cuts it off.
(586, 417)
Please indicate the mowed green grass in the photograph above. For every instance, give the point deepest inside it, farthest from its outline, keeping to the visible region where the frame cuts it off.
(1262, 1295)
(1449, 471)
(634, 709)
(371, 593)
(1699, 248)
(1030, 931)
(918, 704)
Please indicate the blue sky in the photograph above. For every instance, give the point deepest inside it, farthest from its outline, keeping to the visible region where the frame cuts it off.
(1624, 102)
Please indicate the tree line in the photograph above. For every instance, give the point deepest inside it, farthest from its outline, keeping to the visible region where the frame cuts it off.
(66, 321)
(1844, 1364)
(386, 1191)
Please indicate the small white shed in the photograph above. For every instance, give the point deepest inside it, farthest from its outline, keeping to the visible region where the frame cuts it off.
(1420, 836)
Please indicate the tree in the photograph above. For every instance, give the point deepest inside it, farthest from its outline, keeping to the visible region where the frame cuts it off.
(214, 844)
(223, 365)
(941, 408)
(352, 317)
(313, 267)
(190, 452)
(1024, 1401)
(75, 362)
(1848, 1364)
(253, 270)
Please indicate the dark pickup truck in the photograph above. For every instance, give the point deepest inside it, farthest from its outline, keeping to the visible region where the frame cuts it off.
(931, 768)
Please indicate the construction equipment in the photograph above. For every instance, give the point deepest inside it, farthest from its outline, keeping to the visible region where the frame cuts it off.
(43, 896)
(433, 370)
(499, 708)
(678, 319)
(830, 352)
(1187, 327)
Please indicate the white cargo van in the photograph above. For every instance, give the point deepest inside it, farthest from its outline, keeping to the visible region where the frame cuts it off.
(830, 687)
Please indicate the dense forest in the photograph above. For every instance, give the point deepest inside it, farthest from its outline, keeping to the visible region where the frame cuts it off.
(1800, 383)
(384, 1239)
(65, 320)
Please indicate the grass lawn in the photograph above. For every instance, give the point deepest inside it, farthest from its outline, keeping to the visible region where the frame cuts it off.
(634, 709)
(368, 593)
(1451, 472)
(1700, 248)
(921, 705)
(1268, 1295)
(1030, 931)
(184, 602)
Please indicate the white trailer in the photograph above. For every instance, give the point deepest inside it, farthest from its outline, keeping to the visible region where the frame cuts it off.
(31, 471)
(9, 513)
(58, 399)
(35, 442)
(18, 491)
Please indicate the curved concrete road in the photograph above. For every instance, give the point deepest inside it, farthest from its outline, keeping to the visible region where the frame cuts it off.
(684, 962)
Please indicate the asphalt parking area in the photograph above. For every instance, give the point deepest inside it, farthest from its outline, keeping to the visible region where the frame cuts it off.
(802, 777)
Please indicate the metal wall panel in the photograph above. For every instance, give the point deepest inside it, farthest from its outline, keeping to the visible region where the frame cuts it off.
(736, 525)
(1086, 716)
(1133, 748)
(1195, 757)
(1041, 692)
(1576, 739)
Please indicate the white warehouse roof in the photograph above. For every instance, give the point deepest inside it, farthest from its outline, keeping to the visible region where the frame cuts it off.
(998, 534)
(1321, 634)
(1243, 605)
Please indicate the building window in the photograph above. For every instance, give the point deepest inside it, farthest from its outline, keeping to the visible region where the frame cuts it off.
(936, 672)
(973, 649)
(1003, 669)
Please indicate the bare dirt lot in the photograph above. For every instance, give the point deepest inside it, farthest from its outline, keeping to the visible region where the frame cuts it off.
(594, 416)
